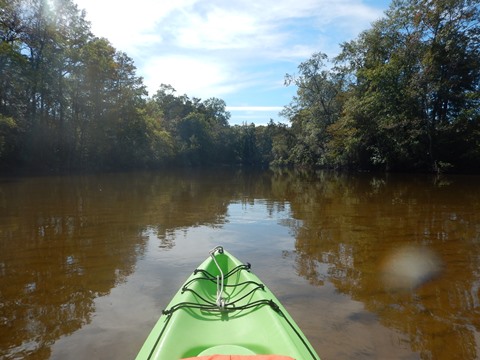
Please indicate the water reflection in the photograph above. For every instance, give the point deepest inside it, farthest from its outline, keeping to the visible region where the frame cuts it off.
(67, 241)
(61, 247)
(352, 224)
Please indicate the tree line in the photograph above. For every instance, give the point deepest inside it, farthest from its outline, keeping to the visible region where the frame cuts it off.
(404, 95)
(70, 101)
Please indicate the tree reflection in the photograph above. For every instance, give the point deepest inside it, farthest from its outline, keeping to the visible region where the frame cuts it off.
(64, 241)
(61, 247)
(351, 224)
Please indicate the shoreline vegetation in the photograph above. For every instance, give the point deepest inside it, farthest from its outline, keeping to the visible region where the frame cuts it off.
(403, 96)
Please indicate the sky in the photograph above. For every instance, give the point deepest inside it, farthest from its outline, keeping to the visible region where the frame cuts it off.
(235, 50)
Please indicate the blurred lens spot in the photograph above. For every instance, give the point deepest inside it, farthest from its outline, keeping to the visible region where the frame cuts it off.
(410, 267)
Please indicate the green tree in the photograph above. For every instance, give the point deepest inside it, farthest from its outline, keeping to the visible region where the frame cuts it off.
(215, 110)
(403, 95)
(173, 107)
(40, 42)
(413, 96)
(246, 147)
(381, 112)
(283, 140)
(127, 126)
(450, 78)
(316, 106)
(8, 140)
(160, 142)
(217, 118)
(193, 140)
(12, 82)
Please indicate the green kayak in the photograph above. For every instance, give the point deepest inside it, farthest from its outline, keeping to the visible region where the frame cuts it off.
(224, 309)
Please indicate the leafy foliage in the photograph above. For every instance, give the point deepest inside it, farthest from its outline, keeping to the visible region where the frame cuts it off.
(404, 95)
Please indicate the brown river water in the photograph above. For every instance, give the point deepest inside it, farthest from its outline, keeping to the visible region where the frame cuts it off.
(370, 266)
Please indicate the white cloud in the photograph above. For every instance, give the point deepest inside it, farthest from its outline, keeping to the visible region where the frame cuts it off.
(351, 16)
(194, 76)
(202, 24)
(218, 29)
(218, 48)
(266, 25)
(254, 108)
(128, 24)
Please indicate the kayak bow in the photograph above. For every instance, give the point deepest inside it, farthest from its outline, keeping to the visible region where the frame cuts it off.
(224, 309)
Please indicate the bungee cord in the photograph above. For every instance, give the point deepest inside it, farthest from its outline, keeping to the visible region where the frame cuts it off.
(220, 303)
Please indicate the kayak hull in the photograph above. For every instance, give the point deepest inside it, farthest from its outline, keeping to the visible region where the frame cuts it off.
(239, 317)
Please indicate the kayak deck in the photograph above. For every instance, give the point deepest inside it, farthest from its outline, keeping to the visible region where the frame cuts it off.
(223, 308)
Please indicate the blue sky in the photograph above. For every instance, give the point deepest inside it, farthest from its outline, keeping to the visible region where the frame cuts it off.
(235, 50)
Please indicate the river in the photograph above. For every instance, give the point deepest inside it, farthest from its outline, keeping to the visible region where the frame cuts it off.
(369, 265)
